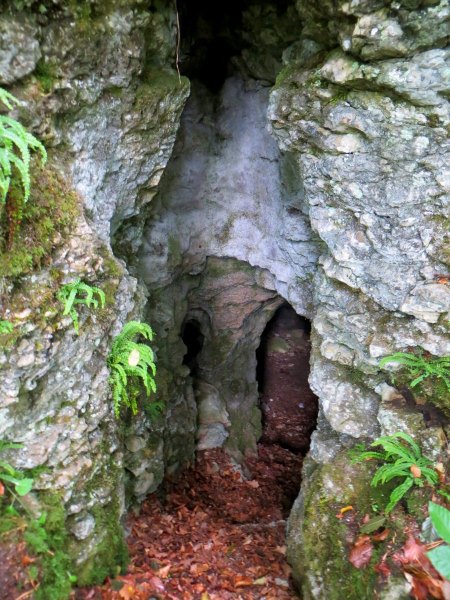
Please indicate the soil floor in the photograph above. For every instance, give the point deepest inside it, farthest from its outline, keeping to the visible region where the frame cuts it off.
(217, 531)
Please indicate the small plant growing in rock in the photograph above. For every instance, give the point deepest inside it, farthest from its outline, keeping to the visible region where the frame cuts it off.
(16, 145)
(420, 367)
(402, 459)
(22, 485)
(129, 363)
(6, 327)
(79, 293)
(440, 556)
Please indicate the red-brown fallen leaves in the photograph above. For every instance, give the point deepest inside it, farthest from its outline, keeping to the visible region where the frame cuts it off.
(215, 537)
(425, 580)
(361, 553)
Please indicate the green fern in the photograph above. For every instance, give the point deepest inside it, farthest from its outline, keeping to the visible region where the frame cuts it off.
(6, 327)
(76, 293)
(16, 145)
(131, 363)
(402, 458)
(8, 474)
(420, 368)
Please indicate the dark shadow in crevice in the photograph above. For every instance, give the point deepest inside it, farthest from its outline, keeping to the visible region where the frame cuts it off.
(193, 339)
(210, 37)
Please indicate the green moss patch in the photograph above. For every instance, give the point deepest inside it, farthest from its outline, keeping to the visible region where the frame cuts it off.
(50, 211)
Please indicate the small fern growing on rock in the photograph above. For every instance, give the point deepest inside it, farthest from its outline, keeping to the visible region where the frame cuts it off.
(76, 293)
(402, 459)
(420, 367)
(16, 145)
(129, 363)
(8, 474)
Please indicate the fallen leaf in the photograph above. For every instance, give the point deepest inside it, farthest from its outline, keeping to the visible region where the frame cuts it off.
(260, 581)
(380, 537)
(127, 592)
(416, 471)
(27, 560)
(412, 552)
(361, 552)
(2, 489)
(157, 584)
(253, 484)
(163, 572)
(243, 581)
(343, 511)
(383, 569)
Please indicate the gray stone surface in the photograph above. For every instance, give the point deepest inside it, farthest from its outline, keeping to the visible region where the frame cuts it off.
(362, 108)
(106, 103)
(19, 47)
(340, 207)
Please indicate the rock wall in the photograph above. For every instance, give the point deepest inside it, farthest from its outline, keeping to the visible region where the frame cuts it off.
(96, 85)
(362, 107)
(340, 207)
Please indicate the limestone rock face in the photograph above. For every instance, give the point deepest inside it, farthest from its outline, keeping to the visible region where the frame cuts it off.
(97, 87)
(328, 191)
(362, 108)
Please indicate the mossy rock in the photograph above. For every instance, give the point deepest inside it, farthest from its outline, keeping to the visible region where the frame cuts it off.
(317, 540)
(27, 242)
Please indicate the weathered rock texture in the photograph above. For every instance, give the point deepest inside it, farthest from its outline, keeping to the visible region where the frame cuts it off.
(339, 207)
(362, 107)
(97, 86)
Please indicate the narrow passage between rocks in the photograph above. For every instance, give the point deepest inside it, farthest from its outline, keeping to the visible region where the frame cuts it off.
(217, 531)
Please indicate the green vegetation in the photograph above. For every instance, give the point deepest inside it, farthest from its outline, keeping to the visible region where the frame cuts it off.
(79, 293)
(440, 556)
(46, 219)
(16, 145)
(47, 539)
(420, 367)
(401, 461)
(22, 485)
(45, 73)
(6, 327)
(129, 363)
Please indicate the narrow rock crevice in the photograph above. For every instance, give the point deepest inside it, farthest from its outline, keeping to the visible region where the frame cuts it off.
(288, 405)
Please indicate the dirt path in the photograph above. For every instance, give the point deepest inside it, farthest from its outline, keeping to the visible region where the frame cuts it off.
(214, 536)
(288, 404)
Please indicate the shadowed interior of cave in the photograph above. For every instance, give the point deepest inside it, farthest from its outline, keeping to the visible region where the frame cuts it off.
(288, 404)
(209, 38)
(193, 339)
(212, 35)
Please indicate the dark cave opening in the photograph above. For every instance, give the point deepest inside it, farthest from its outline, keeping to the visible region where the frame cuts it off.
(213, 36)
(193, 339)
(208, 40)
(288, 405)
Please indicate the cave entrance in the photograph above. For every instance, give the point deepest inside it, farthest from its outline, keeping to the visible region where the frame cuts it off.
(193, 339)
(288, 405)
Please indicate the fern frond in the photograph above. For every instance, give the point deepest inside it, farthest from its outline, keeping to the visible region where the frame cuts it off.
(8, 99)
(404, 358)
(134, 328)
(78, 293)
(132, 360)
(398, 493)
(388, 472)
